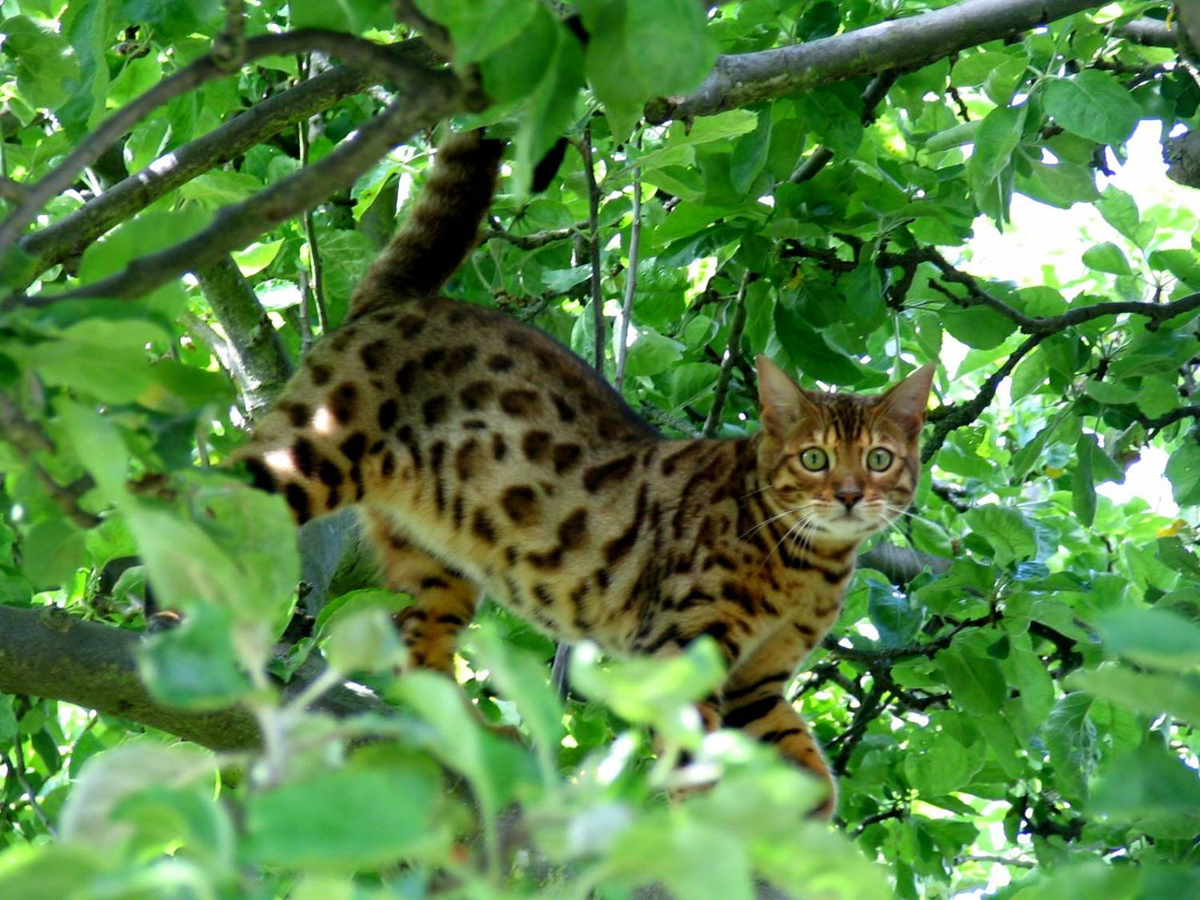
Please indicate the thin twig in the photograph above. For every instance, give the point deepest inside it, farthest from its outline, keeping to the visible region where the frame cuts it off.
(948, 418)
(358, 51)
(435, 35)
(896, 812)
(1003, 860)
(18, 771)
(237, 225)
(74, 232)
(736, 326)
(229, 49)
(67, 496)
(537, 239)
(305, 318)
(635, 230)
(666, 419)
(13, 191)
(310, 231)
(927, 649)
(589, 171)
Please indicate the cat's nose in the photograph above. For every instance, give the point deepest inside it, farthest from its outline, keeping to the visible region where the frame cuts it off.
(849, 495)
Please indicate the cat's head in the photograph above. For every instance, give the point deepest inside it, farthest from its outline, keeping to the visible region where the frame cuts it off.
(845, 465)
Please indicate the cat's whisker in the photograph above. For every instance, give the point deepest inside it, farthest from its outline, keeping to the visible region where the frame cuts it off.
(765, 523)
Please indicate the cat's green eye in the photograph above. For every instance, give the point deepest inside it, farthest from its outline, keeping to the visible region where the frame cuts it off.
(814, 459)
(879, 459)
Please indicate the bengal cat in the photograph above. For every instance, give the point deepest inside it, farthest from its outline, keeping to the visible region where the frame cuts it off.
(487, 457)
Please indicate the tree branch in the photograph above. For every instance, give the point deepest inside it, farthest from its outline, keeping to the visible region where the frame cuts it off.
(589, 171)
(236, 226)
(901, 564)
(635, 231)
(261, 367)
(46, 652)
(874, 94)
(736, 326)
(71, 234)
(362, 53)
(747, 78)
(537, 239)
(1147, 32)
(948, 418)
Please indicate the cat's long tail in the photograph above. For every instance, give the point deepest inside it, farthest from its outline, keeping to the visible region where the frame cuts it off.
(442, 227)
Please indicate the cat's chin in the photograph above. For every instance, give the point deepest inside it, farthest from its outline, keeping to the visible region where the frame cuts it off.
(847, 527)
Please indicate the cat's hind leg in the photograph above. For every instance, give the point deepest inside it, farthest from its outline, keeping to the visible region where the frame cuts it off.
(445, 599)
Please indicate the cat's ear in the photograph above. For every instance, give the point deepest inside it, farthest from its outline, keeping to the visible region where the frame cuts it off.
(780, 399)
(905, 403)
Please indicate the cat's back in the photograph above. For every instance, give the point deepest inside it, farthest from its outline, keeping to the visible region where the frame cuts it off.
(435, 396)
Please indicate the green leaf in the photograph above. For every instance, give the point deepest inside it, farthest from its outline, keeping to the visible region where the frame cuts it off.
(652, 353)
(650, 691)
(1008, 531)
(1094, 105)
(342, 15)
(46, 67)
(514, 70)
(1148, 781)
(1151, 637)
(977, 326)
(356, 601)
(220, 188)
(977, 684)
(348, 819)
(894, 615)
(1143, 692)
(1107, 257)
(1071, 739)
(750, 154)
(550, 108)
(995, 142)
(53, 551)
(194, 666)
(1183, 471)
(673, 47)
(525, 679)
(1120, 211)
(935, 763)
(479, 27)
(1083, 486)
(110, 778)
(652, 49)
(364, 641)
(8, 719)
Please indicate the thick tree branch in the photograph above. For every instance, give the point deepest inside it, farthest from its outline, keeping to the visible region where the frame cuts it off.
(360, 52)
(901, 564)
(747, 78)
(237, 225)
(48, 653)
(262, 366)
(1147, 32)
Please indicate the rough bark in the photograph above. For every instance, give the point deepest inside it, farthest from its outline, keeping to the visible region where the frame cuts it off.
(746, 78)
(262, 365)
(46, 652)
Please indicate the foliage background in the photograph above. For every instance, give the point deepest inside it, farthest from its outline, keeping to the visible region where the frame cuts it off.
(1012, 692)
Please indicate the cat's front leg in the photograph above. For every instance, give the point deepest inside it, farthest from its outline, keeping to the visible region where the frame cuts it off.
(754, 702)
